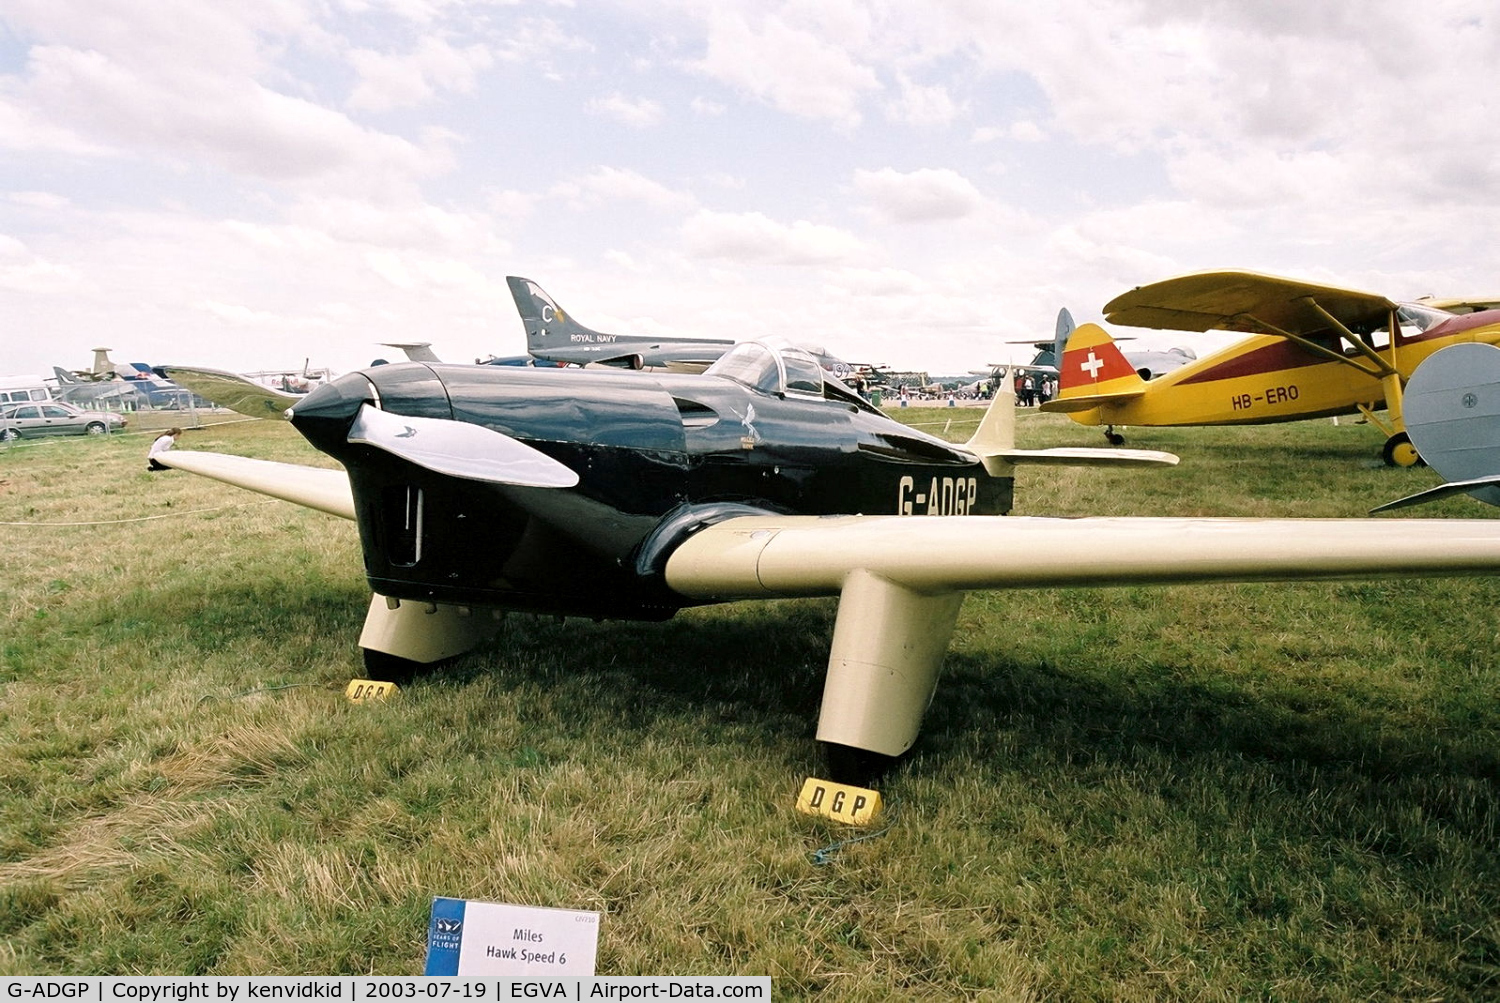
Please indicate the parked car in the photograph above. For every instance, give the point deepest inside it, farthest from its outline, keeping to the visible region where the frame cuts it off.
(55, 418)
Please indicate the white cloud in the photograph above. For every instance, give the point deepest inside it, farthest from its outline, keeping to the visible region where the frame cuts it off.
(23, 271)
(613, 184)
(789, 66)
(39, 200)
(389, 266)
(235, 124)
(638, 113)
(391, 81)
(175, 153)
(401, 225)
(540, 43)
(925, 195)
(754, 237)
(239, 315)
(921, 106)
(1026, 131)
(623, 260)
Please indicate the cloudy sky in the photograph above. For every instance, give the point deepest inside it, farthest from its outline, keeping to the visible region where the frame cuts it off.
(248, 184)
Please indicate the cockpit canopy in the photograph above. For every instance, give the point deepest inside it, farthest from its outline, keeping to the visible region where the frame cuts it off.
(773, 365)
(1420, 316)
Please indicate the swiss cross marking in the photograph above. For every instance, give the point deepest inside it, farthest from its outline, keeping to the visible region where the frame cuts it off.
(1093, 365)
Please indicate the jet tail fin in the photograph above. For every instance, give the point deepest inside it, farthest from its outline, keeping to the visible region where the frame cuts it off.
(1093, 372)
(547, 325)
(64, 378)
(103, 364)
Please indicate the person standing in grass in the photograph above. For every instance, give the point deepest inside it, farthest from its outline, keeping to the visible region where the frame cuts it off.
(163, 442)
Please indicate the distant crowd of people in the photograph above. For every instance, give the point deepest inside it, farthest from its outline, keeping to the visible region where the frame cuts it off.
(1034, 391)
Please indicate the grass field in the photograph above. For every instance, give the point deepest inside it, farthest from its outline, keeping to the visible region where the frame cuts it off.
(1211, 793)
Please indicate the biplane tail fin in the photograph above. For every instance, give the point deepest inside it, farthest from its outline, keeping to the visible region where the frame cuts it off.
(1093, 371)
(1452, 412)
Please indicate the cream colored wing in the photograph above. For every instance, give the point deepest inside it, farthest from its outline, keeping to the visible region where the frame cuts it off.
(315, 487)
(762, 557)
(900, 580)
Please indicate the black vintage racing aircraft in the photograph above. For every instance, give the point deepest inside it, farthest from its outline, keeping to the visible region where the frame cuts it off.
(633, 495)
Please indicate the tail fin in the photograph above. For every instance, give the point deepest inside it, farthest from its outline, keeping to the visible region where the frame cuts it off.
(64, 378)
(547, 325)
(1093, 372)
(103, 365)
(995, 443)
(996, 433)
(1065, 329)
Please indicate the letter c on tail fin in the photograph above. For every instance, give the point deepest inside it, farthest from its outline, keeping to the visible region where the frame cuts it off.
(548, 327)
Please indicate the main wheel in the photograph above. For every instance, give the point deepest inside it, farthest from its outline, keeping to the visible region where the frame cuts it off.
(1399, 452)
(95, 428)
(1114, 438)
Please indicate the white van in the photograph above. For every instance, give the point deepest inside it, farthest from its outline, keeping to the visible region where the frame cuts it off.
(22, 390)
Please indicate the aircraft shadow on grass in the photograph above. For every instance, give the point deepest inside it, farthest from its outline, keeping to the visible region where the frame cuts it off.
(653, 672)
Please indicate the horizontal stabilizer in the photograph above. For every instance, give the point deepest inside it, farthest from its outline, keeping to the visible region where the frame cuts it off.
(416, 351)
(314, 487)
(1083, 402)
(1440, 492)
(1085, 457)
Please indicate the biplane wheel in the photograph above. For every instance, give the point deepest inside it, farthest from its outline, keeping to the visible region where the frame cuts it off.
(1399, 452)
(857, 767)
(1114, 438)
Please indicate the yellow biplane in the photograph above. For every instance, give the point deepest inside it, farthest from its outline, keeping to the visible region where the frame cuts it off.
(1313, 351)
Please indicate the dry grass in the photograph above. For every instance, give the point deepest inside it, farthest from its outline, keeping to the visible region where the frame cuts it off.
(1135, 794)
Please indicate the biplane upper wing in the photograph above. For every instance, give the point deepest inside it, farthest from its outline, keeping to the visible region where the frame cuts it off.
(1461, 305)
(1245, 301)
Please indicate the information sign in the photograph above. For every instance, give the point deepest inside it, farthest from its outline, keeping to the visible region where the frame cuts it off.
(490, 938)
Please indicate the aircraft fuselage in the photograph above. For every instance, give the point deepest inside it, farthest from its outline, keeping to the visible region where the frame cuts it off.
(1266, 379)
(658, 456)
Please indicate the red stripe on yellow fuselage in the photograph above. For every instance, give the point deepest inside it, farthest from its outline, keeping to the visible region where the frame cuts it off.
(1266, 379)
